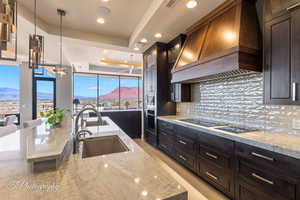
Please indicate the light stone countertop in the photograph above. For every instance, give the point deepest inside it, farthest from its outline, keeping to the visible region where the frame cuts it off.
(285, 144)
(132, 175)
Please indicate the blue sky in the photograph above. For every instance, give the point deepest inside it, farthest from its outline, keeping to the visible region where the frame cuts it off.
(9, 77)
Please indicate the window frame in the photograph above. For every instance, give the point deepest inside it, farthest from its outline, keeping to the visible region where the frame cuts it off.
(99, 75)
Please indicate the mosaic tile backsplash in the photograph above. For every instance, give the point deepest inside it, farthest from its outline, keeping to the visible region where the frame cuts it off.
(239, 100)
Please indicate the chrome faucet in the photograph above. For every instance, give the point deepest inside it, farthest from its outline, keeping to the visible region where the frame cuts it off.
(82, 111)
(78, 133)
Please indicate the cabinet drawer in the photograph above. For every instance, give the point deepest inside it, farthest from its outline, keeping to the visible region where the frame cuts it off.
(222, 179)
(245, 191)
(150, 138)
(165, 126)
(268, 159)
(221, 159)
(268, 182)
(217, 143)
(187, 160)
(184, 144)
(165, 142)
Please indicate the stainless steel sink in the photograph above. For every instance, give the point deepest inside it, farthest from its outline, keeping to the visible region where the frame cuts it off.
(96, 123)
(103, 145)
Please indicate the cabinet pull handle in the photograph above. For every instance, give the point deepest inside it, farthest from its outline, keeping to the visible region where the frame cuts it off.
(262, 156)
(294, 87)
(182, 157)
(293, 6)
(262, 179)
(211, 176)
(182, 142)
(164, 146)
(211, 155)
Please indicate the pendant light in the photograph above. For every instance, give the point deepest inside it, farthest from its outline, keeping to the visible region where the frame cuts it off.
(59, 69)
(8, 29)
(36, 45)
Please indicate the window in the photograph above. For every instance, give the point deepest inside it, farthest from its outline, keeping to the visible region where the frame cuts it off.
(9, 90)
(85, 90)
(129, 93)
(107, 92)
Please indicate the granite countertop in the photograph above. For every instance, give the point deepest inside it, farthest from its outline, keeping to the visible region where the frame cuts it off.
(285, 144)
(129, 175)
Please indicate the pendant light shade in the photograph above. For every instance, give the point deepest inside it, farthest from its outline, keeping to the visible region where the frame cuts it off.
(59, 69)
(8, 29)
(36, 45)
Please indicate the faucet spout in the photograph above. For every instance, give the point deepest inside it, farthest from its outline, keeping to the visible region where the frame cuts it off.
(77, 132)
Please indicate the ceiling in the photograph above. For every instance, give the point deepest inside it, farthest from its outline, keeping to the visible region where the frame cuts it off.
(82, 15)
(128, 22)
(86, 41)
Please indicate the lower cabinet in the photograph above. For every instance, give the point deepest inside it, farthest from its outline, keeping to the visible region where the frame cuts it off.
(150, 137)
(240, 171)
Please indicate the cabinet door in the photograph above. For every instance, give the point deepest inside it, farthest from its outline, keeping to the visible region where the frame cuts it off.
(278, 65)
(282, 59)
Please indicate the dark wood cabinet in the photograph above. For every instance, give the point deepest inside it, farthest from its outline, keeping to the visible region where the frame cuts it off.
(282, 59)
(181, 92)
(240, 171)
(276, 8)
(156, 89)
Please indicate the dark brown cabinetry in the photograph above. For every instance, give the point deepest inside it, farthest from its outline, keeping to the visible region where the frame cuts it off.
(242, 172)
(263, 174)
(156, 89)
(181, 92)
(282, 54)
(276, 8)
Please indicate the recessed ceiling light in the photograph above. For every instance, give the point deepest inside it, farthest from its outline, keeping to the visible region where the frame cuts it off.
(100, 20)
(158, 35)
(136, 49)
(191, 4)
(144, 40)
(105, 0)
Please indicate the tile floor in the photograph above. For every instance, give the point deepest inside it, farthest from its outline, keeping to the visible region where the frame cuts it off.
(197, 189)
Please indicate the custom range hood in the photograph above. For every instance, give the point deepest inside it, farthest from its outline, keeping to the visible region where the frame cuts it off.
(227, 42)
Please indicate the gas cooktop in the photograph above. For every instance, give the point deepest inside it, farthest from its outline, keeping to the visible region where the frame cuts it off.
(202, 122)
(235, 129)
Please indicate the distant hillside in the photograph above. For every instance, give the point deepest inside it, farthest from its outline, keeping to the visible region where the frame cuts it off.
(12, 94)
(126, 93)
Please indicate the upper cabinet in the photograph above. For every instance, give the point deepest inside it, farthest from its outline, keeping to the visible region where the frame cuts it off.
(276, 8)
(282, 52)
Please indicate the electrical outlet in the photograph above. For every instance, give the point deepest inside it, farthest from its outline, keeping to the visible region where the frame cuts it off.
(296, 124)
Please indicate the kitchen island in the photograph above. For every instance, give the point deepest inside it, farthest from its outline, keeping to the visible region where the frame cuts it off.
(129, 175)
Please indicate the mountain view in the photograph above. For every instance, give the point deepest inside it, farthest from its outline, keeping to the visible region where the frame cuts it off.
(10, 94)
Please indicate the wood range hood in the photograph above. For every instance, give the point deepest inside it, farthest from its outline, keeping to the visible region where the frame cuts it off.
(227, 42)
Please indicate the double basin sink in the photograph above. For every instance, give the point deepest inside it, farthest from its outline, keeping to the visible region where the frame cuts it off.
(102, 145)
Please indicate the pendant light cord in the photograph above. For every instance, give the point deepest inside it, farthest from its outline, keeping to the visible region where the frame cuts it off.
(35, 17)
(61, 41)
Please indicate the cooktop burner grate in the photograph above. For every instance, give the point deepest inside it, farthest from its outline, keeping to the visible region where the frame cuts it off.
(203, 123)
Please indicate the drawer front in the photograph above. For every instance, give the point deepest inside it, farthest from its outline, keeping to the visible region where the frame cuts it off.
(166, 142)
(185, 159)
(215, 142)
(268, 159)
(267, 182)
(220, 159)
(150, 138)
(218, 176)
(185, 144)
(165, 126)
(245, 191)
